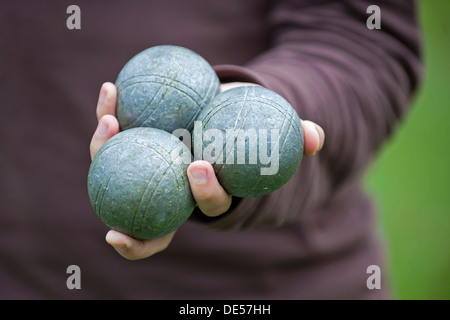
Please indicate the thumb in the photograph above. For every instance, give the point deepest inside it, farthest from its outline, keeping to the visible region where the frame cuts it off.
(211, 198)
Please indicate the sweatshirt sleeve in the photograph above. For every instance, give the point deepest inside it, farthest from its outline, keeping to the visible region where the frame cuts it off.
(355, 82)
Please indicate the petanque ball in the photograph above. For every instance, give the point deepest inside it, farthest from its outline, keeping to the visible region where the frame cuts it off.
(253, 138)
(164, 87)
(137, 183)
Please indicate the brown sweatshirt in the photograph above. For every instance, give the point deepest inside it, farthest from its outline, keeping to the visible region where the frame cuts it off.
(312, 239)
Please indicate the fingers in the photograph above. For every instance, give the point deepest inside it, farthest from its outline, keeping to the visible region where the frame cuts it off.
(314, 137)
(135, 249)
(107, 100)
(108, 126)
(231, 85)
(211, 198)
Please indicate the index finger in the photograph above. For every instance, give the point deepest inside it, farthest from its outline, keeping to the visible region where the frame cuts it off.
(107, 98)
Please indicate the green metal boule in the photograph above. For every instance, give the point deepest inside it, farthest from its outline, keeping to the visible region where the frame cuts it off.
(137, 183)
(254, 139)
(164, 87)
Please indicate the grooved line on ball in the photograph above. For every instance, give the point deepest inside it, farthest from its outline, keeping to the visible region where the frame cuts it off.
(210, 113)
(156, 187)
(125, 140)
(292, 114)
(195, 116)
(279, 150)
(140, 200)
(141, 226)
(142, 143)
(108, 146)
(212, 84)
(156, 76)
(287, 134)
(169, 69)
(258, 178)
(281, 109)
(146, 108)
(100, 207)
(113, 171)
(164, 94)
(244, 100)
(101, 183)
(145, 111)
(151, 196)
(216, 109)
(166, 85)
(178, 89)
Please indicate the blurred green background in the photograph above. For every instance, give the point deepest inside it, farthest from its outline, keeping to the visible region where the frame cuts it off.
(410, 178)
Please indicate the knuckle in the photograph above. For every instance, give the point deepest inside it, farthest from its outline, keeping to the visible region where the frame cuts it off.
(216, 209)
(204, 194)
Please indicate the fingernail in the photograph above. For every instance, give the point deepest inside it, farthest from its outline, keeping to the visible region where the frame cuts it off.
(199, 175)
(321, 134)
(102, 129)
(103, 95)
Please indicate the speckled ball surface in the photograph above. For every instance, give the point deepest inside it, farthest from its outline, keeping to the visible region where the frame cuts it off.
(137, 183)
(254, 139)
(164, 87)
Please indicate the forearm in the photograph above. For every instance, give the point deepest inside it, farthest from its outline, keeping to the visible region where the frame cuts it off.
(354, 82)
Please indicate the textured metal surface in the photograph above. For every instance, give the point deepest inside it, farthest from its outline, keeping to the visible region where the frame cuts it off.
(137, 183)
(164, 87)
(246, 111)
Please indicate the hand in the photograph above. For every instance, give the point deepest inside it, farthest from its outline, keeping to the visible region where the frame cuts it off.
(211, 198)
